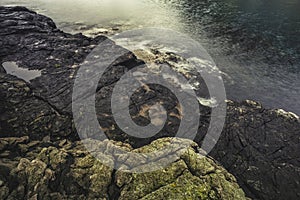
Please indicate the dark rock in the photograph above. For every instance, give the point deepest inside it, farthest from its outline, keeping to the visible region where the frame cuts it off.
(258, 146)
(2, 70)
(24, 113)
(43, 106)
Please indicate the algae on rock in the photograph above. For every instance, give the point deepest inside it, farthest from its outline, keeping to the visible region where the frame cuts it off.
(71, 172)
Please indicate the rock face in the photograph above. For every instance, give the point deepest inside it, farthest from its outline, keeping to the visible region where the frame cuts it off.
(65, 170)
(33, 42)
(258, 146)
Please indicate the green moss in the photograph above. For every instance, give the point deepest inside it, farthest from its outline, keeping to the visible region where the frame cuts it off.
(35, 172)
(186, 186)
(92, 175)
(4, 191)
(140, 184)
(191, 177)
(76, 173)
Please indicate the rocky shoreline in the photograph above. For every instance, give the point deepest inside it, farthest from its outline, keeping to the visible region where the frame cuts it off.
(65, 170)
(258, 146)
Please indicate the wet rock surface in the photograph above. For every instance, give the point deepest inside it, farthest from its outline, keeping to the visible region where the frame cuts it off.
(65, 170)
(258, 146)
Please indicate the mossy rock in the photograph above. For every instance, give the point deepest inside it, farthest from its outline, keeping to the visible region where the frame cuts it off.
(71, 172)
(192, 176)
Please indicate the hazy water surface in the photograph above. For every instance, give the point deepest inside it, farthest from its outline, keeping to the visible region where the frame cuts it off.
(255, 42)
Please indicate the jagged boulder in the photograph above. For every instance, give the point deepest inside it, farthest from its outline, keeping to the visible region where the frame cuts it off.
(260, 147)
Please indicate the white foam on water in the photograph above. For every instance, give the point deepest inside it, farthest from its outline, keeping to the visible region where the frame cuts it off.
(182, 65)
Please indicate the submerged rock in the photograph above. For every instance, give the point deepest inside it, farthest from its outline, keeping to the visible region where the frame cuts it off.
(257, 145)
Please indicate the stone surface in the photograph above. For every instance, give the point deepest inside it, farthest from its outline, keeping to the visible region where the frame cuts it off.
(43, 105)
(65, 170)
(258, 146)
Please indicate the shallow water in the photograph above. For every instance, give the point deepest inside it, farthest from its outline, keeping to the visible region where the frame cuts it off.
(255, 42)
(22, 73)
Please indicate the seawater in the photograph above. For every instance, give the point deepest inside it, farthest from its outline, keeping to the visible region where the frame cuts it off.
(240, 35)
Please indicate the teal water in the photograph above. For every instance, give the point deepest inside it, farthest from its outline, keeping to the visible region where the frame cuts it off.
(255, 42)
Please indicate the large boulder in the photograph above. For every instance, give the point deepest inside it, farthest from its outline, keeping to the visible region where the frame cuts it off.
(260, 147)
(66, 170)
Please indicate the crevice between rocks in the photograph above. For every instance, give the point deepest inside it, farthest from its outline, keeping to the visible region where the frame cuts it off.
(54, 108)
(113, 190)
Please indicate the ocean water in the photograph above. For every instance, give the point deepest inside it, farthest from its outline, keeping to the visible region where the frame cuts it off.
(256, 43)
